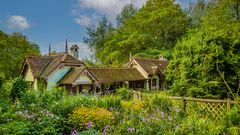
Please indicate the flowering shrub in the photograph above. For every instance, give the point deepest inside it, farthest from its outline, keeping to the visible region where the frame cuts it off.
(134, 105)
(66, 105)
(86, 118)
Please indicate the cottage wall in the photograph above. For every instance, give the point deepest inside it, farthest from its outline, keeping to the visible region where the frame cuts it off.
(28, 76)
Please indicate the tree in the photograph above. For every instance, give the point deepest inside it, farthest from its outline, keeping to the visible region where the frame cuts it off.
(157, 25)
(206, 61)
(196, 11)
(96, 35)
(128, 11)
(14, 47)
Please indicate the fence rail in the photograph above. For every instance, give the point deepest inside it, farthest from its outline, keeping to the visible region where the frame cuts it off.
(211, 108)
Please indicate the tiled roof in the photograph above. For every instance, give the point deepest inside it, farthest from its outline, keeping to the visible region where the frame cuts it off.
(152, 65)
(105, 75)
(42, 66)
(38, 64)
(71, 76)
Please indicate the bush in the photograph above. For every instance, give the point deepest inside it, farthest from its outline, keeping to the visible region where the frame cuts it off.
(134, 105)
(66, 105)
(232, 118)
(18, 89)
(161, 102)
(125, 93)
(94, 117)
(49, 97)
(110, 102)
(199, 126)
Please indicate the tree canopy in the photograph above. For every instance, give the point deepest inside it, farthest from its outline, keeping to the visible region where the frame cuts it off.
(14, 47)
(148, 33)
(206, 60)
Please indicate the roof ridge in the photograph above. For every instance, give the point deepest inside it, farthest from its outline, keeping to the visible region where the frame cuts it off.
(150, 59)
(64, 57)
(56, 54)
(109, 68)
(35, 56)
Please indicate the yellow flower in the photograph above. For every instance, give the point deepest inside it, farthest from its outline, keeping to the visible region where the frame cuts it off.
(98, 116)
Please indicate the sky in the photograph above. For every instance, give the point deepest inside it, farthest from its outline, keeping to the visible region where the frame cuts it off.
(47, 22)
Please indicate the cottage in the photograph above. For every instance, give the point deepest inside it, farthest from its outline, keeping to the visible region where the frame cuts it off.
(65, 70)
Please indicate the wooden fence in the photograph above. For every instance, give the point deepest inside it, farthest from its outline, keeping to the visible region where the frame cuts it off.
(210, 108)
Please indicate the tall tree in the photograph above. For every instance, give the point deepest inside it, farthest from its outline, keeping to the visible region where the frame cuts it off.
(14, 47)
(96, 35)
(128, 11)
(206, 61)
(197, 10)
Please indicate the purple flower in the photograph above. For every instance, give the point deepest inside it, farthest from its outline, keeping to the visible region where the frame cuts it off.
(89, 125)
(108, 126)
(162, 114)
(103, 131)
(110, 109)
(74, 132)
(131, 129)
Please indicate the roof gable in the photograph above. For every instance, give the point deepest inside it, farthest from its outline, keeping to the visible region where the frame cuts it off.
(151, 66)
(36, 64)
(57, 60)
(71, 76)
(42, 66)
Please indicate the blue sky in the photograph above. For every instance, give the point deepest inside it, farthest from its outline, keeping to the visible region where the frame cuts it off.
(52, 21)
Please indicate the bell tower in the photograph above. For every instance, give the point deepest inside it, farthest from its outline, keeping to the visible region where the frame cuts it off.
(74, 51)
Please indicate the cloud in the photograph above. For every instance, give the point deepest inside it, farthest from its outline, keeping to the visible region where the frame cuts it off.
(18, 22)
(85, 21)
(99, 8)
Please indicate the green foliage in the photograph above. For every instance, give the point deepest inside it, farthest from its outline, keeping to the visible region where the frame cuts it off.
(87, 118)
(193, 125)
(2, 79)
(14, 47)
(150, 32)
(18, 89)
(125, 93)
(233, 117)
(106, 115)
(161, 102)
(97, 35)
(110, 102)
(196, 12)
(49, 97)
(66, 105)
(128, 11)
(207, 56)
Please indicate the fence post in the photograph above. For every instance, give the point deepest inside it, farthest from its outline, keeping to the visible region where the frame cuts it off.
(228, 105)
(184, 104)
